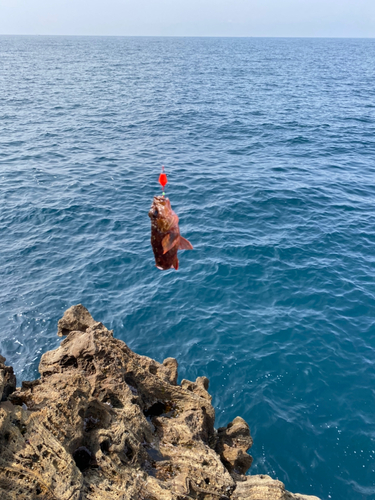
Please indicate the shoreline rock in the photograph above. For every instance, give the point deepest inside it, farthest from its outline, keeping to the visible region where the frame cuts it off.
(103, 422)
(7, 380)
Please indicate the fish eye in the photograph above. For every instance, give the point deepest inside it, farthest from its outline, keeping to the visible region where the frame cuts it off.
(156, 212)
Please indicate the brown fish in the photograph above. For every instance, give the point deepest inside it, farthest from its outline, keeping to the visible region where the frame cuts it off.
(165, 234)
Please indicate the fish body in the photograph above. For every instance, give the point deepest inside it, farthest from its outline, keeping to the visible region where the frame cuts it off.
(166, 239)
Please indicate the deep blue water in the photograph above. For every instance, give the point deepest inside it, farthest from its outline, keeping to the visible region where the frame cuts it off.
(269, 147)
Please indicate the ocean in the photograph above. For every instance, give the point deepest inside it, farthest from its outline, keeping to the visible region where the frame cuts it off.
(269, 148)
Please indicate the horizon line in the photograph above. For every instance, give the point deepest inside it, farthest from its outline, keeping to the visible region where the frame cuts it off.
(195, 36)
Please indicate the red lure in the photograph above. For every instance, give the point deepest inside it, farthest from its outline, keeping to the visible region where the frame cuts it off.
(163, 179)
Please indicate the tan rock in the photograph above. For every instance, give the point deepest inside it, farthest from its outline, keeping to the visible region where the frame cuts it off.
(105, 423)
(232, 444)
(75, 318)
(262, 487)
(7, 380)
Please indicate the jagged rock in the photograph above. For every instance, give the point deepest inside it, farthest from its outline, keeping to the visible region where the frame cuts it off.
(233, 442)
(299, 496)
(171, 366)
(199, 387)
(7, 380)
(262, 487)
(76, 318)
(105, 423)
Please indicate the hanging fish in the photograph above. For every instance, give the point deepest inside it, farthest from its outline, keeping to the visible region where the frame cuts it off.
(165, 234)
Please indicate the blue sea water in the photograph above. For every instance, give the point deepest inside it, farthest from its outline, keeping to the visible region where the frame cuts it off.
(269, 146)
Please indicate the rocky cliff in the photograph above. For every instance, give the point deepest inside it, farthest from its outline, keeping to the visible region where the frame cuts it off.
(105, 423)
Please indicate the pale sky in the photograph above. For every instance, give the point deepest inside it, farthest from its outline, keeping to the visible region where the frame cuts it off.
(289, 18)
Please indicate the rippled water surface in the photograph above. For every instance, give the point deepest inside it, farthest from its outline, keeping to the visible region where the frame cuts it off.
(269, 146)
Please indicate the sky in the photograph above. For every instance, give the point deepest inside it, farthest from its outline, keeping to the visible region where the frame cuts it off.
(270, 18)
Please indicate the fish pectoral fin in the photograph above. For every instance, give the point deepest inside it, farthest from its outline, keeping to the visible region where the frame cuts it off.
(175, 263)
(169, 241)
(185, 244)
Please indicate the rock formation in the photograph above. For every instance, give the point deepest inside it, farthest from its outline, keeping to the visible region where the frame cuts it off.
(7, 380)
(103, 423)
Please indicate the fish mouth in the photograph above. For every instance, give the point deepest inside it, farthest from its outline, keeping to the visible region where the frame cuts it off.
(158, 207)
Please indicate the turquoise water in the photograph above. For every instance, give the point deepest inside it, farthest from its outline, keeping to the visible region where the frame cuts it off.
(269, 147)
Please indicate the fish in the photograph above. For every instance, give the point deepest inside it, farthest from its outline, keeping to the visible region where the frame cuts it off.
(166, 239)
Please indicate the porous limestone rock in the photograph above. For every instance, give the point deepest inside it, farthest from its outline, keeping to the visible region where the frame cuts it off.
(232, 444)
(76, 318)
(262, 487)
(7, 380)
(104, 423)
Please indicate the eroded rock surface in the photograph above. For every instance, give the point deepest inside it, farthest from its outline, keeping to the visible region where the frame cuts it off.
(105, 423)
(7, 380)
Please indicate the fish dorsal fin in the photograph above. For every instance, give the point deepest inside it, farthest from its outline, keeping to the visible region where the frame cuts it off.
(185, 244)
(169, 241)
(175, 263)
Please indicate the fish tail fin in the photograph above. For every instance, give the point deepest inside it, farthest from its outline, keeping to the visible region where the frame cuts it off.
(184, 244)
